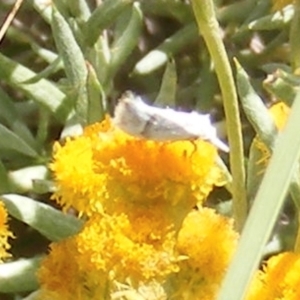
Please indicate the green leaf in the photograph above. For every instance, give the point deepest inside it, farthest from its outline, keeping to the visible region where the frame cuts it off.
(10, 141)
(46, 54)
(50, 222)
(207, 88)
(44, 9)
(47, 72)
(236, 11)
(5, 186)
(283, 86)
(22, 179)
(167, 92)
(123, 47)
(79, 9)
(41, 186)
(19, 276)
(180, 11)
(42, 92)
(256, 111)
(172, 45)
(9, 113)
(265, 210)
(74, 63)
(255, 170)
(102, 17)
(96, 97)
(264, 126)
(277, 20)
(69, 50)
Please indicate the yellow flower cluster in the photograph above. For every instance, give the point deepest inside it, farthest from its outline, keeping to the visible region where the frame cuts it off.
(105, 163)
(4, 234)
(208, 241)
(143, 239)
(279, 113)
(279, 279)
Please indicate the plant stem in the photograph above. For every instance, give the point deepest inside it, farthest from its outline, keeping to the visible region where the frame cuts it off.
(294, 37)
(209, 28)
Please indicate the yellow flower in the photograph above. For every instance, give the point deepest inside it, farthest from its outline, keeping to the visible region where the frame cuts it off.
(278, 280)
(105, 165)
(59, 272)
(280, 4)
(139, 245)
(4, 234)
(137, 253)
(138, 248)
(279, 113)
(136, 194)
(62, 277)
(208, 240)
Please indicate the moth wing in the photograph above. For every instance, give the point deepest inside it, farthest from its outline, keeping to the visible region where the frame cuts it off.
(131, 116)
(167, 125)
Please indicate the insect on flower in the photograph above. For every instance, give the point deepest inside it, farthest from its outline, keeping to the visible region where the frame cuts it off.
(139, 119)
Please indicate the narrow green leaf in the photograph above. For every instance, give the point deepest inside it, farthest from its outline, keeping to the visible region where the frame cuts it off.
(43, 127)
(282, 86)
(22, 179)
(262, 122)
(43, 92)
(255, 171)
(50, 222)
(5, 186)
(256, 111)
(272, 67)
(47, 72)
(9, 113)
(172, 45)
(123, 47)
(62, 7)
(264, 126)
(19, 276)
(236, 11)
(46, 54)
(208, 88)
(10, 141)
(266, 208)
(79, 9)
(167, 92)
(277, 20)
(44, 9)
(41, 186)
(54, 62)
(74, 63)
(260, 9)
(102, 17)
(70, 51)
(180, 11)
(96, 97)
(99, 57)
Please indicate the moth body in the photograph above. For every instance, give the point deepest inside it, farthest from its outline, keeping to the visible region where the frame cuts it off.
(139, 119)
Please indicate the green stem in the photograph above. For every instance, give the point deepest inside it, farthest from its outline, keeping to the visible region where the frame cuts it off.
(294, 37)
(295, 62)
(209, 28)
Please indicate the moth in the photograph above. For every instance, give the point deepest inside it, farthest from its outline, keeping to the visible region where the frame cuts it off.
(139, 119)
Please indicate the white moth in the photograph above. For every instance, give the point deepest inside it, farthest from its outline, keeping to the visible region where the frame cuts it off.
(139, 119)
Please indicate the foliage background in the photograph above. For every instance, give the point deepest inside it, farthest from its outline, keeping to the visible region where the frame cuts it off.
(152, 48)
